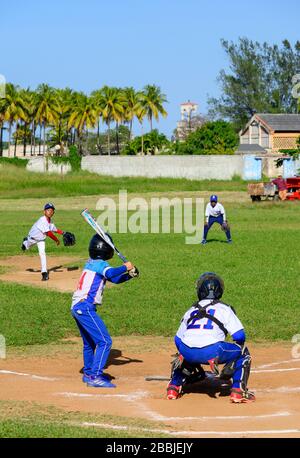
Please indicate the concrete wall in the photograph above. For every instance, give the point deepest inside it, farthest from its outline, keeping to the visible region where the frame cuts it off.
(190, 167)
(40, 164)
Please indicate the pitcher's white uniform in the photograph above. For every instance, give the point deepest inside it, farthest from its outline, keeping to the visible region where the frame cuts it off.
(215, 211)
(37, 236)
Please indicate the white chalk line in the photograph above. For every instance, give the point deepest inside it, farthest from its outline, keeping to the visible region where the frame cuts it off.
(282, 390)
(264, 366)
(187, 433)
(131, 397)
(265, 371)
(36, 377)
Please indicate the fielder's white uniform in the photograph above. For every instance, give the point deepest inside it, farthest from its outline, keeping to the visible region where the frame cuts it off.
(215, 211)
(37, 236)
(200, 333)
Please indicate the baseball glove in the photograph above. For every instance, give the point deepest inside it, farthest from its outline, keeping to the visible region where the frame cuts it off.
(225, 226)
(69, 239)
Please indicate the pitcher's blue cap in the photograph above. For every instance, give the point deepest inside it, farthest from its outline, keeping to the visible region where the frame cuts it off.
(214, 198)
(49, 205)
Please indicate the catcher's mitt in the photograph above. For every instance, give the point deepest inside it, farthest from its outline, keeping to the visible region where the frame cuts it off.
(69, 239)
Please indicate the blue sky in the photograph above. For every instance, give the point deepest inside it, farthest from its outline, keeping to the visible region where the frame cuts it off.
(174, 44)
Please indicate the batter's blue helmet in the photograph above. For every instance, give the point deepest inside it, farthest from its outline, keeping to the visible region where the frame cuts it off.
(209, 286)
(214, 198)
(49, 205)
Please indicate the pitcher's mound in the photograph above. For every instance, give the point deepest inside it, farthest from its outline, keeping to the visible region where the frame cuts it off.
(64, 272)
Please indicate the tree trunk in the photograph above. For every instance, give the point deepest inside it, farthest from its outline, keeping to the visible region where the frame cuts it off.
(108, 138)
(98, 135)
(9, 138)
(44, 139)
(1, 140)
(151, 123)
(130, 130)
(117, 137)
(40, 139)
(142, 140)
(32, 140)
(24, 139)
(16, 140)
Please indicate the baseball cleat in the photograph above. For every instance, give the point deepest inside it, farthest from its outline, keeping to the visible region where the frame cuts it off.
(239, 396)
(23, 247)
(45, 276)
(86, 378)
(173, 392)
(100, 382)
(229, 241)
(204, 242)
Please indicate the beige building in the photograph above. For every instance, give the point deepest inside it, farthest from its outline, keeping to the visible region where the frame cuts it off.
(271, 132)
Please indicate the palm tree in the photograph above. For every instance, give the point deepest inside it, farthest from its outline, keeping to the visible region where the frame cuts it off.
(113, 108)
(11, 108)
(152, 101)
(47, 109)
(27, 97)
(83, 116)
(140, 114)
(98, 102)
(132, 106)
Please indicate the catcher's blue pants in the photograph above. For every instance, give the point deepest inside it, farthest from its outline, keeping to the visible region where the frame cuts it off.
(226, 352)
(96, 339)
(212, 220)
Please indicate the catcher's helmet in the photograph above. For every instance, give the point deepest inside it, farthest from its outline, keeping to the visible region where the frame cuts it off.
(99, 249)
(209, 286)
(214, 198)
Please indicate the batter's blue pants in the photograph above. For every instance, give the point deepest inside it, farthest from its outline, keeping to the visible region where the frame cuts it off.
(226, 352)
(96, 339)
(212, 220)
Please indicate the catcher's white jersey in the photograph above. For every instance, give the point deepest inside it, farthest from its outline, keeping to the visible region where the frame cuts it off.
(39, 229)
(200, 333)
(215, 211)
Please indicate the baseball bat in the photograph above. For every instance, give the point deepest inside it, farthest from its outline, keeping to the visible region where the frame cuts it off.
(97, 228)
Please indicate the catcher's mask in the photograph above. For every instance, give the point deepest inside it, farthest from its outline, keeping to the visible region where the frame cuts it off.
(99, 249)
(209, 286)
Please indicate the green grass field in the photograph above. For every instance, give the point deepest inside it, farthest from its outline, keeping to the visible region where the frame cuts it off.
(260, 270)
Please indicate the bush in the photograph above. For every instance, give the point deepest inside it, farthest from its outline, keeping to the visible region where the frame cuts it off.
(73, 159)
(217, 137)
(14, 161)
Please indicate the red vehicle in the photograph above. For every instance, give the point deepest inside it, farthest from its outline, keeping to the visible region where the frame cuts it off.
(293, 185)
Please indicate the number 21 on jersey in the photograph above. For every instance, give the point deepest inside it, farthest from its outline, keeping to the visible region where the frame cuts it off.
(207, 325)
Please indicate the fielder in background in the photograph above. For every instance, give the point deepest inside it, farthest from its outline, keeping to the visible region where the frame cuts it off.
(215, 213)
(96, 339)
(37, 235)
(201, 336)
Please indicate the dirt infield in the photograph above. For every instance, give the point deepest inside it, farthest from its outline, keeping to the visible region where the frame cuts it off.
(204, 411)
(63, 271)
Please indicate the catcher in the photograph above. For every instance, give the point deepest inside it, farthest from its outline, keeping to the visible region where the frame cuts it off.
(215, 213)
(200, 339)
(42, 228)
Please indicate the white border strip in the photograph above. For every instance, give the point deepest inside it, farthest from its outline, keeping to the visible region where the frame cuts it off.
(35, 377)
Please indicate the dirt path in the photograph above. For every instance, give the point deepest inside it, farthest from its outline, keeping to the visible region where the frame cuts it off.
(202, 412)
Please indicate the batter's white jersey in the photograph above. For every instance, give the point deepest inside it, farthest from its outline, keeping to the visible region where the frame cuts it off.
(39, 229)
(200, 333)
(215, 211)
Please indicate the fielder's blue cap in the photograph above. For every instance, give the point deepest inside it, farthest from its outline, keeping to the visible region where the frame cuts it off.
(49, 205)
(214, 198)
